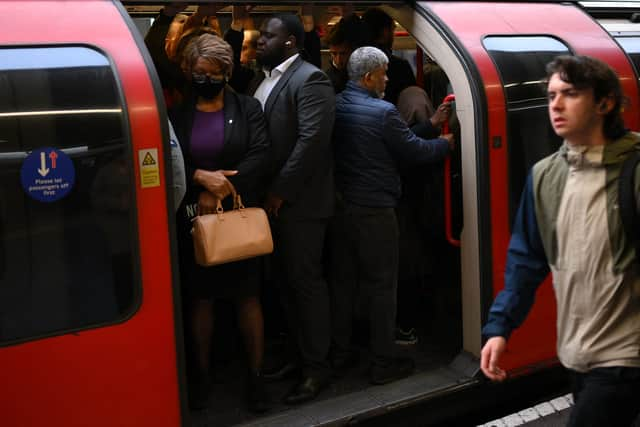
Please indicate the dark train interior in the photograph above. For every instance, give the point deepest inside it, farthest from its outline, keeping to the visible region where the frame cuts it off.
(429, 266)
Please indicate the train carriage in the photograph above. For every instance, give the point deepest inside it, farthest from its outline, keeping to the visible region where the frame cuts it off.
(90, 309)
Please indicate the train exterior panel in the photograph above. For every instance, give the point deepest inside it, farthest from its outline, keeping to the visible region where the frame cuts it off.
(125, 372)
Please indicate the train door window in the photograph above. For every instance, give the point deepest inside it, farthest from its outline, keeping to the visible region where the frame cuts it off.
(631, 46)
(521, 63)
(66, 222)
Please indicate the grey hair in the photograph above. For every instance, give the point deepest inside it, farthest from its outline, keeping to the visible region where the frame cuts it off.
(364, 60)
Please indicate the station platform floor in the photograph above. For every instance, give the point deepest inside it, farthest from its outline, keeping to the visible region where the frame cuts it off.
(554, 413)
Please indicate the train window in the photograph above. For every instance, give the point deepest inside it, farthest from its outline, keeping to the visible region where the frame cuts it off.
(65, 256)
(521, 63)
(631, 45)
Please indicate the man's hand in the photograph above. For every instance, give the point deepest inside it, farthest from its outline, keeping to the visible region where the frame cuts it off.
(441, 115)
(215, 182)
(207, 203)
(490, 358)
(306, 11)
(239, 14)
(272, 204)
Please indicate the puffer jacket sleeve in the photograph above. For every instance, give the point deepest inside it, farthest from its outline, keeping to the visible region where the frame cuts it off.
(526, 269)
(406, 146)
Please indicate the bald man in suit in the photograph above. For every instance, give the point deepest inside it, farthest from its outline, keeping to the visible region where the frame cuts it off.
(299, 105)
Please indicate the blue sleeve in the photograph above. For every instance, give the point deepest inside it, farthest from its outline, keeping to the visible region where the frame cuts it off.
(526, 269)
(406, 146)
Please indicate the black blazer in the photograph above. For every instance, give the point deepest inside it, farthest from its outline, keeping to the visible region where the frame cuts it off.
(246, 145)
(300, 112)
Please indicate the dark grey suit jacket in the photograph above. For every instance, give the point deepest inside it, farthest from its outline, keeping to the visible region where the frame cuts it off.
(300, 112)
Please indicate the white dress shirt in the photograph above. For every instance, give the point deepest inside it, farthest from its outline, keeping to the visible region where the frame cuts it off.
(271, 78)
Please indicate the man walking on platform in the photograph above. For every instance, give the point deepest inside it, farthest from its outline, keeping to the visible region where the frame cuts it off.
(569, 222)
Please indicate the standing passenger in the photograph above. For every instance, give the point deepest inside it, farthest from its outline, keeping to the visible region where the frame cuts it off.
(225, 146)
(569, 223)
(371, 140)
(299, 105)
(381, 28)
(343, 38)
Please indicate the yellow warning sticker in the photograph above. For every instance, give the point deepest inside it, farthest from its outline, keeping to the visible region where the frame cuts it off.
(149, 170)
(148, 160)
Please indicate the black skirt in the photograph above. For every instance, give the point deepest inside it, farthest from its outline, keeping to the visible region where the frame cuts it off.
(234, 280)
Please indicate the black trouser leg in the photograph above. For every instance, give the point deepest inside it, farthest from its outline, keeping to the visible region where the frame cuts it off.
(606, 397)
(373, 233)
(299, 247)
(343, 283)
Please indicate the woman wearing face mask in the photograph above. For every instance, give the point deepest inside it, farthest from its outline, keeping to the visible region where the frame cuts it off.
(225, 143)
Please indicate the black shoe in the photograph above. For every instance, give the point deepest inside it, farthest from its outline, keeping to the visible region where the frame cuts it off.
(396, 369)
(305, 390)
(282, 372)
(257, 400)
(341, 363)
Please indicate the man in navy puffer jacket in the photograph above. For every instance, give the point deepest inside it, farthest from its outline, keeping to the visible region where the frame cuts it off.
(371, 142)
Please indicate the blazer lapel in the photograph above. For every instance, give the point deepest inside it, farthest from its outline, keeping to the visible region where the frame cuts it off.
(255, 82)
(281, 83)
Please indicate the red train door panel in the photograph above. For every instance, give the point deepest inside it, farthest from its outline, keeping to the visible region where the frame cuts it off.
(87, 326)
(508, 43)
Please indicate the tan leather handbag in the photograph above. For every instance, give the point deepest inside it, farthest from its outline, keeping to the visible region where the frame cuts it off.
(231, 236)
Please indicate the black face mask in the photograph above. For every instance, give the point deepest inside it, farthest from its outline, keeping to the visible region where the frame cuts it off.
(208, 88)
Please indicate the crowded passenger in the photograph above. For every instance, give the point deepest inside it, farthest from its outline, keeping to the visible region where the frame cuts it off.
(225, 146)
(371, 142)
(167, 40)
(381, 28)
(249, 46)
(418, 212)
(298, 102)
(344, 37)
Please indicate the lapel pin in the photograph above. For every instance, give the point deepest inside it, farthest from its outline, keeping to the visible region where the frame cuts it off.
(230, 121)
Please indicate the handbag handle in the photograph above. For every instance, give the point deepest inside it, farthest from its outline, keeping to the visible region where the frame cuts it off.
(237, 203)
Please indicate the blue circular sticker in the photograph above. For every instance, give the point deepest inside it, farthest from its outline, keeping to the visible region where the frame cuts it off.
(47, 174)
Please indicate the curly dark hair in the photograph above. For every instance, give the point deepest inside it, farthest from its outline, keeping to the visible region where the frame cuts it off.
(585, 72)
(349, 30)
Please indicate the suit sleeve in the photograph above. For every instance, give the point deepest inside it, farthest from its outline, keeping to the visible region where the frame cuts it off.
(315, 117)
(155, 40)
(406, 146)
(241, 75)
(252, 168)
(526, 269)
(235, 39)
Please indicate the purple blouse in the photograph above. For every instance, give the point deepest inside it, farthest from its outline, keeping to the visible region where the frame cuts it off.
(207, 138)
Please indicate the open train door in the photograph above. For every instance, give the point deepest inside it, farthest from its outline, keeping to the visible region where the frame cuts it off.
(87, 320)
(495, 55)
